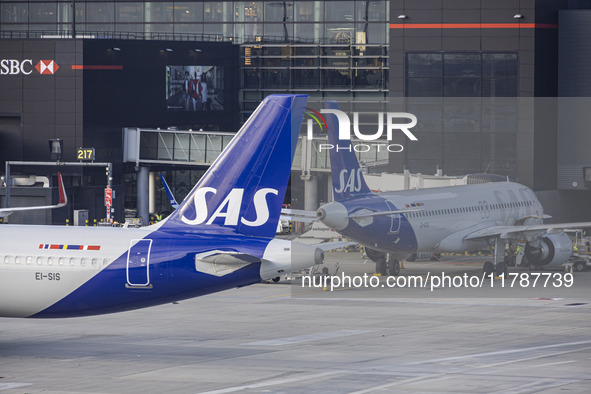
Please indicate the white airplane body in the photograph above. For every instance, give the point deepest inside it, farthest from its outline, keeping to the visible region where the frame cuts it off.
(443, 219)
(220, 237)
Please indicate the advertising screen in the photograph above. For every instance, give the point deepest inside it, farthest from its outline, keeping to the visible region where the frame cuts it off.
(194, 88)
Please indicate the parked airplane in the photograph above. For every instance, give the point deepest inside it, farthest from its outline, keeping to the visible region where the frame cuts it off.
(443, 219)
(63, 200)
(220, 237)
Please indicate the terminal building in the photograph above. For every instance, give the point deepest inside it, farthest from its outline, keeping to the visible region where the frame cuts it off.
(498, 86)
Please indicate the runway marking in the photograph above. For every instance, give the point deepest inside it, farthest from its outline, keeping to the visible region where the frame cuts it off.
(8, 386)
(306, 338)
(498, 364)
(387, 300)
(537, 386)
(557, 363)
(399, 383)
(274, 382)
(499, 352)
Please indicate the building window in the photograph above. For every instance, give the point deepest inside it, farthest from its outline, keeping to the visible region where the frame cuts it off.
(461, 74)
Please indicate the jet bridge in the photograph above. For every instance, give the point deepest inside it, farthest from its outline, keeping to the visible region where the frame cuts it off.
(148, 147)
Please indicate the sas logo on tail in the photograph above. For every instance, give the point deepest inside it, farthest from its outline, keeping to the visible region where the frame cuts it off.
(349, 182)
(230, 208)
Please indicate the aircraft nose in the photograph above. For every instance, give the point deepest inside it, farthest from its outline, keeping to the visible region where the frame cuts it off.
(334, 215)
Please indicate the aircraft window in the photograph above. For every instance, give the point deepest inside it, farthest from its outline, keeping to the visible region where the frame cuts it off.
(17, 259)
(6, 259)
(94, 262)
(39, 260)
(105, 262)
(84, 261)
(29, 259)
(62, 261)
(50, 260)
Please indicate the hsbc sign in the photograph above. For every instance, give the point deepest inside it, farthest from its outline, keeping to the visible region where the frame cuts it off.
(25, 67)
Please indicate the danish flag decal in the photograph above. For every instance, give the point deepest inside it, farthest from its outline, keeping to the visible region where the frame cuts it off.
(47, 67)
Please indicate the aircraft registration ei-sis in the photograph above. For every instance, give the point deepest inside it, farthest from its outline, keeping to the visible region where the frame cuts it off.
(220, 237)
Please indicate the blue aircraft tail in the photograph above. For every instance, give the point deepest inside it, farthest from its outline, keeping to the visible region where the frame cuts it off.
(243, 190)
(169, 194)
(347, 178)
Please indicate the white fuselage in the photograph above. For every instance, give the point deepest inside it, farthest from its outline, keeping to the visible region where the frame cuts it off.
(458, 209)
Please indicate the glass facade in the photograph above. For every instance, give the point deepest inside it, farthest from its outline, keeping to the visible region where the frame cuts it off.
(331, 49)
(467, 104)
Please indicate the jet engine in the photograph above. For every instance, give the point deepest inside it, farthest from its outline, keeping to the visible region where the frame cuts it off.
(551, 250)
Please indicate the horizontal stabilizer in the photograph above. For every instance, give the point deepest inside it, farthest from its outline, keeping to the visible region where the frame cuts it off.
(298, 215)
(220, 263)
(380, 213)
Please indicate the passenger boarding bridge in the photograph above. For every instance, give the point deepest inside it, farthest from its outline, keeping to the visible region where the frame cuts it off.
(201, 148)
(147, 147)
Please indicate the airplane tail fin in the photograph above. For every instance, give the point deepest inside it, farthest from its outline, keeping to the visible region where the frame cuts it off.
(243, 190)
(169, 194)
(347, 178)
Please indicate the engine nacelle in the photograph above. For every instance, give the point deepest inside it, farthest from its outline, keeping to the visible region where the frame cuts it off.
(553, 249)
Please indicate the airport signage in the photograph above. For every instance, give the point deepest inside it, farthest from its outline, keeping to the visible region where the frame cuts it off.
(108, 196)
(25, 67)
(85, 154)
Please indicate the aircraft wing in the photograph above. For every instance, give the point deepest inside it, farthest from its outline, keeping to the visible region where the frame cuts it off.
(506, 232)
(63, 200)
(326, 246)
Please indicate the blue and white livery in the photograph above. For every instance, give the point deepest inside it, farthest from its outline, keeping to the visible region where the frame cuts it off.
(444, 219)
(220, 237)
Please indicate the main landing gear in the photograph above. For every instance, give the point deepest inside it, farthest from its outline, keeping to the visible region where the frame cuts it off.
(498, 266)
(385, 264)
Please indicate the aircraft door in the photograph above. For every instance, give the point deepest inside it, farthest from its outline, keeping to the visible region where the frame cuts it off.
(138, 262)
(395, 222)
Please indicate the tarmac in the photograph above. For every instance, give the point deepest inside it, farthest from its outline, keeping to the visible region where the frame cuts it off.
(282, 339)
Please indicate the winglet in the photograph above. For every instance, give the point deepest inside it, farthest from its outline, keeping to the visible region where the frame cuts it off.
(171, 198)
(63, 200)
(62, 191)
